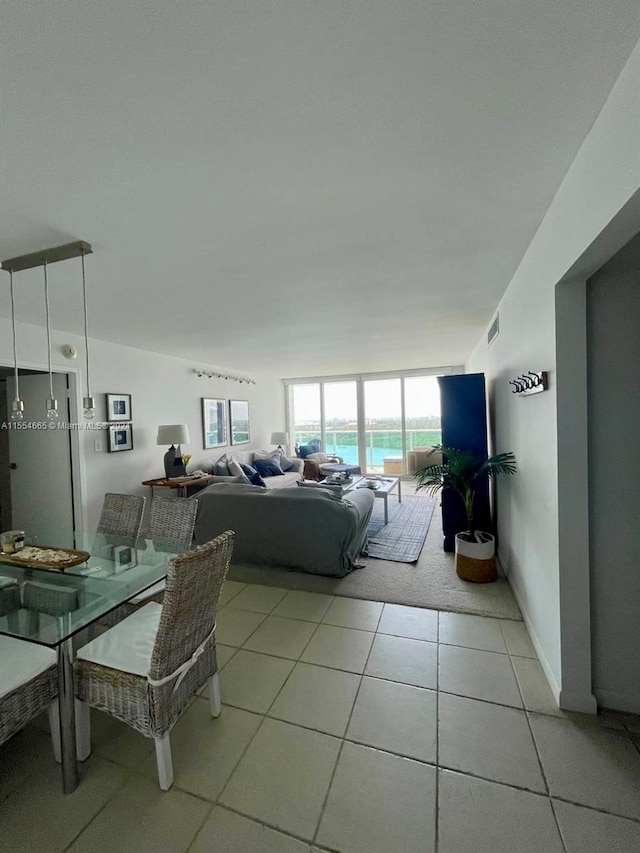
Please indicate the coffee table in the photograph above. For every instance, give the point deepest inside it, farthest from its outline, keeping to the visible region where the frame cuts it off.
(385, 486)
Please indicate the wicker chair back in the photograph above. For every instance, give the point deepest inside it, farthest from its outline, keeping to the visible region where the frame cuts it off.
(121, 516)
(171, 523)
(194, 581)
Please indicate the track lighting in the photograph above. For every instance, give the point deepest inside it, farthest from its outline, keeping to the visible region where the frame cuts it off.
(217, 374)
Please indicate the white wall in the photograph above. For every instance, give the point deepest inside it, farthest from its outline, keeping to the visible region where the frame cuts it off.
(613, 303)
(602, 179)
(163, 389)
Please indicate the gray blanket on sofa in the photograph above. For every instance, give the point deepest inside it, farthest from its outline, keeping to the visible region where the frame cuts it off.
(312, 530)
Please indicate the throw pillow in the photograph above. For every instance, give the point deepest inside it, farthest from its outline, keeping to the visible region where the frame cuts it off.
(235, 468)
(312, 446)
(221, 466)
(254, 478)
(283, 461)
(267, 467)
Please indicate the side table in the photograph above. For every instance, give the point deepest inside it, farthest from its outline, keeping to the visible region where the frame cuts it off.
(181, 483)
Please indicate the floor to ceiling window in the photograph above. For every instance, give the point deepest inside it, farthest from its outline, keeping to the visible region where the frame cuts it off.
(341, 420)
(370, 421)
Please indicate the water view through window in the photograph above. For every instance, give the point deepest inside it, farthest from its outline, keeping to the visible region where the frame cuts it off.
(397, 416)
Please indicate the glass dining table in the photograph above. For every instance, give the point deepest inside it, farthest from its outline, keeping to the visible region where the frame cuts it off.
(53, 604)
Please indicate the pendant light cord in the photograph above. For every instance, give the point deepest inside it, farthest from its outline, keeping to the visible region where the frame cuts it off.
(46, 303)
(86, 325)
(15, 343)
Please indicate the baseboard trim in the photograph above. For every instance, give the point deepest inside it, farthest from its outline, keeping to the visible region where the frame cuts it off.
(585, 704)
(617, 701)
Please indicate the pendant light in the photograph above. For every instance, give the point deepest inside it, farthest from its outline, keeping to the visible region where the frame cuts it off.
(52, 403)
(17, 407)
(43, 259)
(88, 403)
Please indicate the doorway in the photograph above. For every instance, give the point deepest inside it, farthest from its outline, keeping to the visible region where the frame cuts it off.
(36, 473)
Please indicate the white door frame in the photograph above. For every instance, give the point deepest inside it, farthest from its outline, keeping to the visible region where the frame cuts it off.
(576, 693)
(78, 470)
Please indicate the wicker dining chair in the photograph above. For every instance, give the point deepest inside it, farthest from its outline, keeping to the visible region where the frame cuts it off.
(171, 523)
(120, 522)
(145, 670)
(28, 683)
(29, 672)
(43, 599)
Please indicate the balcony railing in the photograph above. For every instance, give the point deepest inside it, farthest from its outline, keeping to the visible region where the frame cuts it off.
(380, 445)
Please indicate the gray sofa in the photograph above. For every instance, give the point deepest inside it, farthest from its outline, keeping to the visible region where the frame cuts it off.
(247, 457)
(312, 530)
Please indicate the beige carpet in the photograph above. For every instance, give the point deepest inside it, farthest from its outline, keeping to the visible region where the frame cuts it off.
(431, 582)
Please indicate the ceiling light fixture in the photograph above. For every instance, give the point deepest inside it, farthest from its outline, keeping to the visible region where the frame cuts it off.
(218, 374)
(43, 259)
(17, 407)
(88, 403)
(52, 403)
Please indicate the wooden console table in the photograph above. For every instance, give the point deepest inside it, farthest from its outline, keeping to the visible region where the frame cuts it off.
(182, 483)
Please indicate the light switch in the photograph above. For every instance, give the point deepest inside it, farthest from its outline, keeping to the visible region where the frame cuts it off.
(97, 445)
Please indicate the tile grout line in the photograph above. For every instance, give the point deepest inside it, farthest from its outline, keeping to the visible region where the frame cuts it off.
(537, 750)
(343, 739)
(436, 842)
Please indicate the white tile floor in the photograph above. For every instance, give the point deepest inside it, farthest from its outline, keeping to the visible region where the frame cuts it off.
(347, 726)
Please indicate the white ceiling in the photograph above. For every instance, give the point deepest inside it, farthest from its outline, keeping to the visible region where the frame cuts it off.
(298, 186)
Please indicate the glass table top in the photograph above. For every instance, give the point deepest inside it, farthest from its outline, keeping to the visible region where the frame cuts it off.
(49, 605)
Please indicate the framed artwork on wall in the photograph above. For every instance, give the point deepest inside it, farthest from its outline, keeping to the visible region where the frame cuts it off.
(120, 437)
(214, 422)
(118, 407)
(239, 421)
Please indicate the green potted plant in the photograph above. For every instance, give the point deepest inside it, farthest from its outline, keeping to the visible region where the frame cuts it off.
(462, 472)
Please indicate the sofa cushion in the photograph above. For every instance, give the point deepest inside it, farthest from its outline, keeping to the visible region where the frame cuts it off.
(267, 467)
(227, 478)
(283, 460)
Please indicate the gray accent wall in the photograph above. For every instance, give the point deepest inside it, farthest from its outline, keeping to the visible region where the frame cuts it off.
(613, 354)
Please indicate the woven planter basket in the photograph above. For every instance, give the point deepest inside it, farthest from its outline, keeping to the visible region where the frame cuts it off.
(475, 561)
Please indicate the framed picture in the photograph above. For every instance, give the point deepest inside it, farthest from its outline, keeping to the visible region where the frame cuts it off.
(214, 422)
(118, 407)
(239, 421)
(120, 437)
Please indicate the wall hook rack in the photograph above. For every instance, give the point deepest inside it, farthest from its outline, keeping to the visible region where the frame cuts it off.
(530, 383)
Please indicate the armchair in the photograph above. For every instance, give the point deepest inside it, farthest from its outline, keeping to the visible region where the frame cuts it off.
(315, 465)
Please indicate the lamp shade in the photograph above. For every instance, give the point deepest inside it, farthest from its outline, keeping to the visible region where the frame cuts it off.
(173, 434)
(279, 438)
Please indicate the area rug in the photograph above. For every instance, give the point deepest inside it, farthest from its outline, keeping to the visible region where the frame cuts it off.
(400, 540)
(430, 582)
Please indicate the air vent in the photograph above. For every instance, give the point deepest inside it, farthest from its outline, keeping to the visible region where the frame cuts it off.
(494, 329)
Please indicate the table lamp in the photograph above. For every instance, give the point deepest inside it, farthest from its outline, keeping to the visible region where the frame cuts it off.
(280, 438)
(173, 434)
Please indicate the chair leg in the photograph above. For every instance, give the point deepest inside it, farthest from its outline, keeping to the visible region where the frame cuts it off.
(83, 730)
(214, 695)
(164, 762)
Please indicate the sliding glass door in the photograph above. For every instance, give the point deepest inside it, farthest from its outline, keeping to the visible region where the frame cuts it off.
(375, 423)
(383, 431)
(341, 420)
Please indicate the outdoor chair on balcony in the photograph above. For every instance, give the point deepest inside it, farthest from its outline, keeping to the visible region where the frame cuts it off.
(146, 669)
